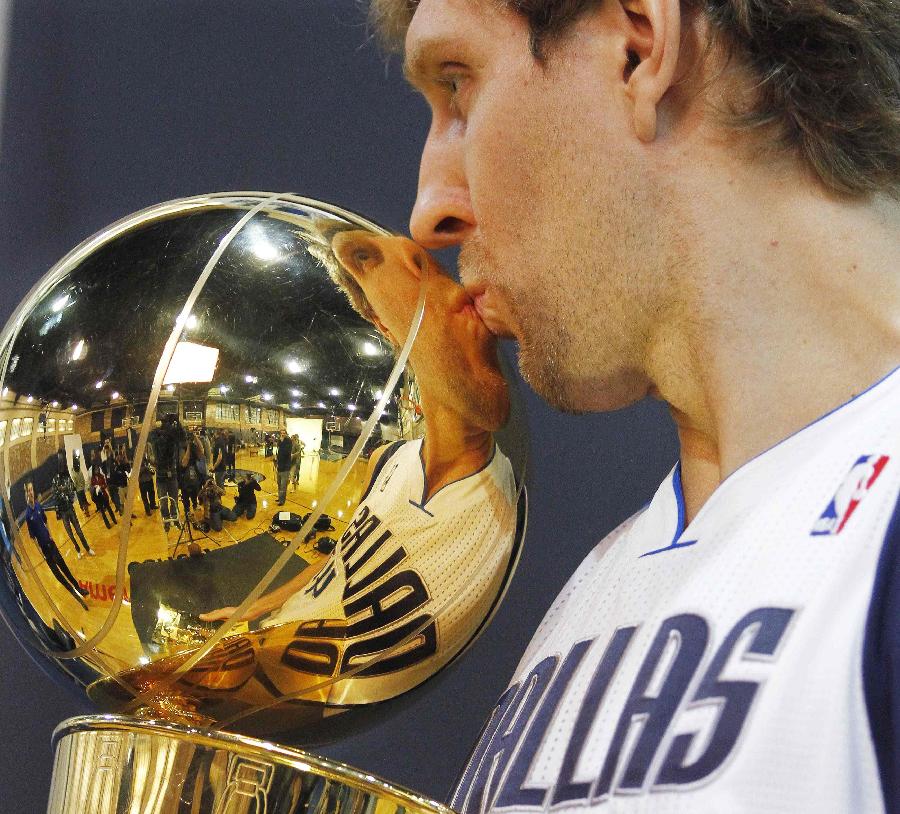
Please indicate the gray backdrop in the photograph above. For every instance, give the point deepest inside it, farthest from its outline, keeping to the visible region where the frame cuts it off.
(111, 107)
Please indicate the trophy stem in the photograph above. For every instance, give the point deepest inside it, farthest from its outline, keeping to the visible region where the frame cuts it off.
(109, 764)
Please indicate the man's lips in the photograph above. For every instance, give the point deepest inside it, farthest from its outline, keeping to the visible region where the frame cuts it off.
(491, 311)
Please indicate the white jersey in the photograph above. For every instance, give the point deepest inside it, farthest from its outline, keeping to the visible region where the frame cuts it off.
(747, 663)
(405, 564)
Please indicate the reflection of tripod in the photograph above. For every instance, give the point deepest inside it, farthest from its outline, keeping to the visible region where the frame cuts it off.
(190, 528)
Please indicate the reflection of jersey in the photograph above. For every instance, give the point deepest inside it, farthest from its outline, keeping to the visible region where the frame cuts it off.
(746, 663)
(400, 563)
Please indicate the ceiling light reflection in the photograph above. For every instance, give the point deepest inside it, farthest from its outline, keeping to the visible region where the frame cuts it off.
(60, 303)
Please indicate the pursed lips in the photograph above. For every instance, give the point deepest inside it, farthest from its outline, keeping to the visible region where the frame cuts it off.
(484, 301)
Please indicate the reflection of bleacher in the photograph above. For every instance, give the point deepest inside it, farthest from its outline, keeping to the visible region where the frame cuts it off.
(195, 585)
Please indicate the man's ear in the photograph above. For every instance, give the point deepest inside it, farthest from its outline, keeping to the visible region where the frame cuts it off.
(653, 45)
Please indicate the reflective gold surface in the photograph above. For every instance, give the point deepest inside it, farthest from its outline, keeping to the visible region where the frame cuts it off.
(243, 351)
(111, 765)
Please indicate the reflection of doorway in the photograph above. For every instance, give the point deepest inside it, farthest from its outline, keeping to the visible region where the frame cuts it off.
(73, 443)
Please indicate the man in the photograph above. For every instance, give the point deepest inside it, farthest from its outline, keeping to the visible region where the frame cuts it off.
(698, 202)
(64, 496)
(283, 465)
(211, 499)
(165, 441)
(219, 458)
(436, 523)
(36, 520)
(230, 457)
(245, 502)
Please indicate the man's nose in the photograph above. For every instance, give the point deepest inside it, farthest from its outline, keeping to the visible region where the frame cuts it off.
(443, 213)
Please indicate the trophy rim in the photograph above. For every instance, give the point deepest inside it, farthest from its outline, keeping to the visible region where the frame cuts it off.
(293, 758)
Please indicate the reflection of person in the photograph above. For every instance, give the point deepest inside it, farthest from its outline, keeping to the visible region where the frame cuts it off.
(36, 520)
(297, 448)
(189, 473)
(165, 440)
(118, 479)
(230, 457)
(145, 484)
(219, 458)
(685, 200)
(437, 521)
(283, 456)
(100, 496)
(114, 478)
(211, 498)
(64, 497)
(80, 485)
(6, 535)
(245, 502)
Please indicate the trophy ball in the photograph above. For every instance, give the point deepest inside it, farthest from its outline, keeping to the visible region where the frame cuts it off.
(261, 467)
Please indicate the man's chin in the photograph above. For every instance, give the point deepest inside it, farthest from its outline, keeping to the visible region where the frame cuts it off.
(577, 396)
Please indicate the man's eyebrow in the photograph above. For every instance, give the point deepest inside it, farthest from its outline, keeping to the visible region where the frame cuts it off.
(421, 57)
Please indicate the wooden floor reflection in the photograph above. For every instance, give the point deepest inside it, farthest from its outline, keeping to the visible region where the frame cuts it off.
(120, 648)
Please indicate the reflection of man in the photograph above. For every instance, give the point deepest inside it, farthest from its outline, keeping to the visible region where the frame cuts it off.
(219, 461)
(165, 441)
(36, 520)
(436, 525)
(686, 200)
(283, 465)
(64, 496)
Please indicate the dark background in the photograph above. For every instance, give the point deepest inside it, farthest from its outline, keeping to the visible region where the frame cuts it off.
(111, 107)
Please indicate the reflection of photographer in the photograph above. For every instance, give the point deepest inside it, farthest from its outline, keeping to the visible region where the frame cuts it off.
(189, 472)
(211, 498)
(245, 503)
(166, 440)
(145, 482)
(64, 497)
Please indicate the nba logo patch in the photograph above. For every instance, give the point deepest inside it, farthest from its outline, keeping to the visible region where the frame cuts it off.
(853, 489)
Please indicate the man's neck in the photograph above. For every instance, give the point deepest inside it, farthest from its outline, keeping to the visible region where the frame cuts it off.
(794, 310)
(453, 447)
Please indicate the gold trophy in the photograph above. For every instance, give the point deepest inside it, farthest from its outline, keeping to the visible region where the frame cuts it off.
(261, 473)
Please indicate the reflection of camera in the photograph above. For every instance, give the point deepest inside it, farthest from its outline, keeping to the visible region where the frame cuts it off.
(171, 424)
(166, 440)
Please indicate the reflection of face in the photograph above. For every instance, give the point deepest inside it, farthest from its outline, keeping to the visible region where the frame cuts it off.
(29, 494)
(536, 172)
(454, 355)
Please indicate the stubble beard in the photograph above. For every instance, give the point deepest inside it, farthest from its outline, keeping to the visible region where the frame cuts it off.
(543, 338)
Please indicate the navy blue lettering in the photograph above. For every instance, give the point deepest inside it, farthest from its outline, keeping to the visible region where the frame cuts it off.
(565, 789)
(417, 637)
(394, 599)
(464, 784)
(767, 627)
(357, 532)
(690, 634)
(322, 580)
(397, 556)
(353, 567)
(496, 757)
(513, 791)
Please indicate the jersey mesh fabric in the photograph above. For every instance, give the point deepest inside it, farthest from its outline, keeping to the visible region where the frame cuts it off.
(458, 542)
(800, 740)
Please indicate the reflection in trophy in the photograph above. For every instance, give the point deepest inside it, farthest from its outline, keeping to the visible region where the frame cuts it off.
(258, 475)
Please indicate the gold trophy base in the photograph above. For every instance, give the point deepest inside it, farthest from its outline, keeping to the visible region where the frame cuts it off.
(111, 764)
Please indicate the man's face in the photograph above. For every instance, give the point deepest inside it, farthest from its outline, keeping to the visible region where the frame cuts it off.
(29, 494)
(454, 355)
(536, 172)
